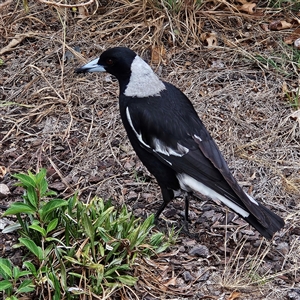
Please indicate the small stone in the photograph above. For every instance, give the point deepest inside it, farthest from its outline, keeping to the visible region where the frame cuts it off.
(283, 248)
(95, 179)
(297, 43)
(295, 230)
(202, 275)
(199, 250)
(5, 222)
(187, 276)
(208, 214)
(294, 294)
(4, 190)
(129, 165)
(169, 213)
(57, 186)
(181, 249)
(132, 195)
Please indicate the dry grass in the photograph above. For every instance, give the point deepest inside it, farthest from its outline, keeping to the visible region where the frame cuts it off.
(71, 125)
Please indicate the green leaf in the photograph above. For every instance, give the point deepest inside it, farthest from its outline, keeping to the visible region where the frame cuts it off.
(25, 180)
(32, 196)
(15, 272)
(101, 250)
(43, 187)
(112, 270)
(105, 215)
(24, 273)
(5, 268)
(41, 182)
(63, 276)
(18, 208)
(72, 260)
(88, 226)
(26, 286)
(49, 248)
(127, 279)
(156, 239)
(40, 176)
(30, 266)
(72, 203)
(58, 241)
(52, 205)
(52, 225)
(56, 286)
(31, 246)
(5, 284)
(50, 193)
(38, 228)
(11, 228)
(12, 298)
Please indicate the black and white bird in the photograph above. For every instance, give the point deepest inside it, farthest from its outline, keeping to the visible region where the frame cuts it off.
(172, 142)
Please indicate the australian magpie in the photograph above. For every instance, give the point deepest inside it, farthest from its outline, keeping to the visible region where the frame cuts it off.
(172, 142)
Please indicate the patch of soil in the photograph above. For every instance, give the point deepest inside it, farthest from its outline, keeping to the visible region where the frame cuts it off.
(70, 124)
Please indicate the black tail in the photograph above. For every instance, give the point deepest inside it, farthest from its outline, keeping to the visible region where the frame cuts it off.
(273, 221)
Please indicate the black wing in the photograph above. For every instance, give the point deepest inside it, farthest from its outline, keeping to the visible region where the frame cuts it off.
(169, 127)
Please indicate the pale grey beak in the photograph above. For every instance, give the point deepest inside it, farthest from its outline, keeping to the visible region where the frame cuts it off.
(92, 66)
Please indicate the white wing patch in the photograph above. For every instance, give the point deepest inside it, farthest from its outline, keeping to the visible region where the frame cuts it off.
(143, 81)
(138, 135)
(187, 183)
(160, 147)
(198, 138)
(251, 199)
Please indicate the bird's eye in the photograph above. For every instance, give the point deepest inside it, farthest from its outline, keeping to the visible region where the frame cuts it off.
(109, 61)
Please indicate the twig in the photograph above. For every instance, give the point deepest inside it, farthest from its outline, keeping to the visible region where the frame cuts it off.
(2, 5)
(66, 5)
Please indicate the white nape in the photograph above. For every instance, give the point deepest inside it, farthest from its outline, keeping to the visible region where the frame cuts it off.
(188, 183)
(143, 81)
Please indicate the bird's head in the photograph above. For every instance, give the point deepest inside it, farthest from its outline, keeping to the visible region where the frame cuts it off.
(135, 76)
(116, 61)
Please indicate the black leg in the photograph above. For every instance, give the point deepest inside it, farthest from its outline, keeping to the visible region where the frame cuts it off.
(186, 211)
(168, 196)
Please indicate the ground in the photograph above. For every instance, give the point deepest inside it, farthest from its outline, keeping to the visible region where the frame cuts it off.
(242, 80)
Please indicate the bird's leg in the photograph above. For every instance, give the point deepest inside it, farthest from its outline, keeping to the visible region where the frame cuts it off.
(186, 212)
(168, 195)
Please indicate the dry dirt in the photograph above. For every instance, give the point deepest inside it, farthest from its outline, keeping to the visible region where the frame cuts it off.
(70, 124)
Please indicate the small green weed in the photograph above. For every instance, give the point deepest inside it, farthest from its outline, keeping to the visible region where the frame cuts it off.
(272, 63)
(294, 98)
(285, 62)
(291, 4)
(76, 249)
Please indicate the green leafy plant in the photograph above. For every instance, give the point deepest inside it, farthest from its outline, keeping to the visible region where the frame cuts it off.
(14, 281)
(291, 4)
(75, 248)
(285, 62)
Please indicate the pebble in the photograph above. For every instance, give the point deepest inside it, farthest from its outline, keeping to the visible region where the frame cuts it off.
(187, 276)
(294, 294)
(199, 250)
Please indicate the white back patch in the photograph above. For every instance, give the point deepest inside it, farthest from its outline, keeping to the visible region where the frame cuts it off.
(188, 183)
(143, 81)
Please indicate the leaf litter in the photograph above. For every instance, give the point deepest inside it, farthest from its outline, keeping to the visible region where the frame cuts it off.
(70, 125)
